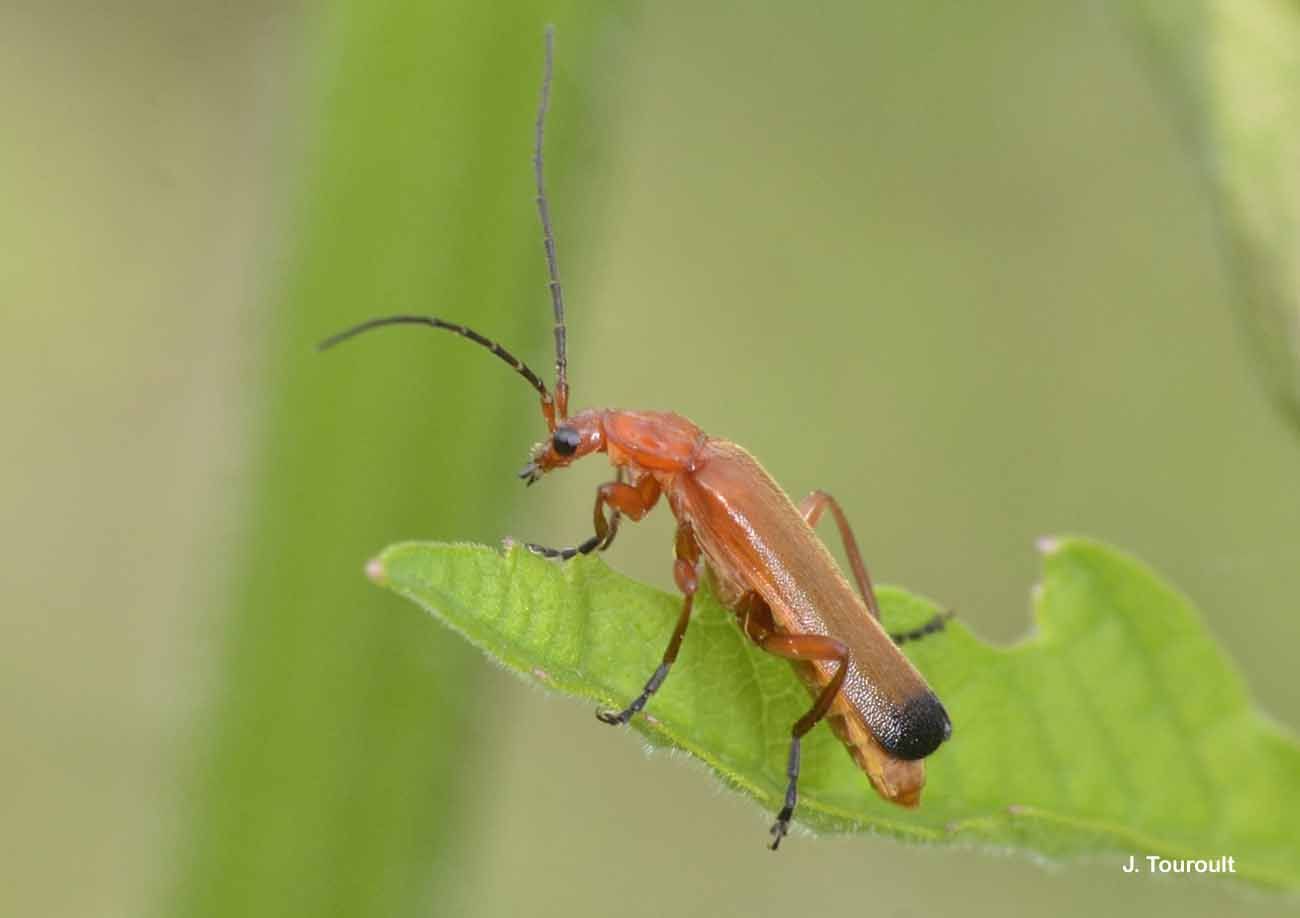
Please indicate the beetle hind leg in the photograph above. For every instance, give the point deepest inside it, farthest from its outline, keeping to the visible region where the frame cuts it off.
(935, 624)
(804, 648)
(811, 508)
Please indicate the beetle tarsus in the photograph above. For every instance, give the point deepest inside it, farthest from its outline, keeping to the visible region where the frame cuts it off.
(617, 719)
(782, 825)
(792, 796)
(933, 625)
(595, 543)
(780, 828)
(564, 554)
(613, 718)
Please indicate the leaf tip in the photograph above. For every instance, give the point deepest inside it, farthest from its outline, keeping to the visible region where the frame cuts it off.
(376, 573)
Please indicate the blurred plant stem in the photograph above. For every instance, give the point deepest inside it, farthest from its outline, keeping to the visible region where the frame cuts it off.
(1232, 71)
(337, 757)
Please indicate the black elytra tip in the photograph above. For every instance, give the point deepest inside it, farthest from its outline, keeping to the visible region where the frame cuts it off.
(924, 726)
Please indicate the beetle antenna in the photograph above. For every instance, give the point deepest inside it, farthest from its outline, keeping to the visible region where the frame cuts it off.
(515, 363)
(548, 236)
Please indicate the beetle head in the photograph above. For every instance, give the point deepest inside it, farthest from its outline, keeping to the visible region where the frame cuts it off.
(575, 437)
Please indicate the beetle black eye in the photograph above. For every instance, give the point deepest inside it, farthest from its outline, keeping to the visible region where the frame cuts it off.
(566, 441)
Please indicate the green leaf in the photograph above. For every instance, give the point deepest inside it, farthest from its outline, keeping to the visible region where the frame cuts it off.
(1231, 69)
(1118, 727)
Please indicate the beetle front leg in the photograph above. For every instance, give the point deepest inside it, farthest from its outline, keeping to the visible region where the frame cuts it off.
(804, 648)
(632, 501)
(686, 574)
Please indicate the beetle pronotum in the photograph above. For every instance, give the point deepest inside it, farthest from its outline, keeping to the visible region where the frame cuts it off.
(769, 567)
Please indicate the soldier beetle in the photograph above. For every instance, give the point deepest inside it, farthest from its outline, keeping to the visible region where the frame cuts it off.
(736, 524)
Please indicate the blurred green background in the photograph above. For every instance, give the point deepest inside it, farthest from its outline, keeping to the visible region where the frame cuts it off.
(952, 263)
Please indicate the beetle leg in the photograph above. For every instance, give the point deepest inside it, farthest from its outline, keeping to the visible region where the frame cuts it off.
(633, 501)
(934, 624)
(804, 648)
(812, 508)
(755, 617)
(595, 542)
(614, 515)
(686, 573)
(564, 554)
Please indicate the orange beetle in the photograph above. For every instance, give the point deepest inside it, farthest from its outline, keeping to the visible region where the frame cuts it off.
(785, 588)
